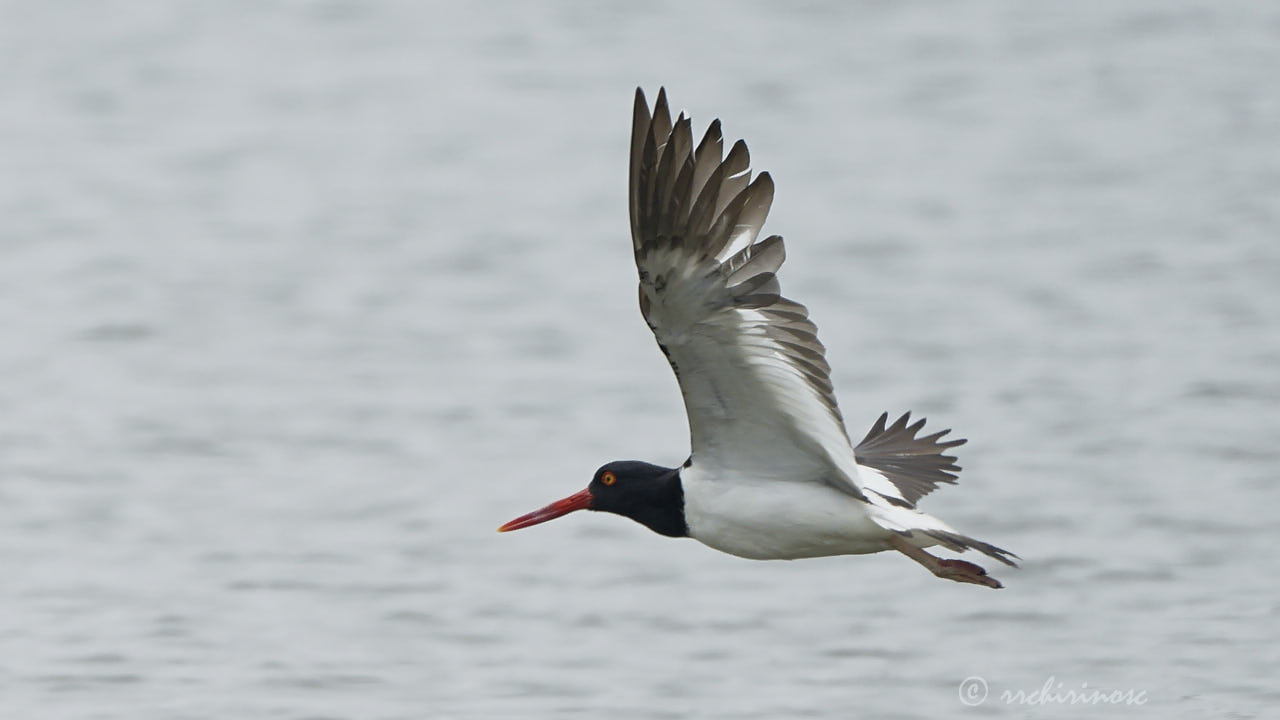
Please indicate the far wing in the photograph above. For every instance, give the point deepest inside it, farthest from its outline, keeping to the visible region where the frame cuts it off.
(915, 465)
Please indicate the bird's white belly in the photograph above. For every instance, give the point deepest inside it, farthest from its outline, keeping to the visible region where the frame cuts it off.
(777, 519)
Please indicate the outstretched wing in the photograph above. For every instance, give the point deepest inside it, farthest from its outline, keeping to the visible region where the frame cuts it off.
(755, 380)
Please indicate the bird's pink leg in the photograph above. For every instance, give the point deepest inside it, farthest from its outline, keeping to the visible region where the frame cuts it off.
(957, 570)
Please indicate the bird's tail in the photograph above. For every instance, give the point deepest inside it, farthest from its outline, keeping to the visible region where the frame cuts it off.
(924, 530)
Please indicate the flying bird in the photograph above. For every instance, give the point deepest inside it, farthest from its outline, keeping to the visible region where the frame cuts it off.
(772, 473)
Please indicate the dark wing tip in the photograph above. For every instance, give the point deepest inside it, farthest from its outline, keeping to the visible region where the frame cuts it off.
(876, 429)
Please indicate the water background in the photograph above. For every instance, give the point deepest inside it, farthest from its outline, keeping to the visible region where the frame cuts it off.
(300, 300)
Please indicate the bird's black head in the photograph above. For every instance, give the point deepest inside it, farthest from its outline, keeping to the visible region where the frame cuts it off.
(649, 494)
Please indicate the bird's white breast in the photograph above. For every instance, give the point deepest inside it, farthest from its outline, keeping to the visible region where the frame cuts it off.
(776, 519)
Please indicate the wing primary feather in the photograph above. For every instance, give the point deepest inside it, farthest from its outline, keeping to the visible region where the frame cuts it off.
(736, 175)
(674, 157)
(643, 191)
(678, 206)
(706, 159)
(755, 208)
(659, 135)
(639, 133)
(660, 125)
(876, 429)
(702, 214)
(726, 226)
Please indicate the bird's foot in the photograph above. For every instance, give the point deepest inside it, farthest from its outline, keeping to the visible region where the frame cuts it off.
(957, 570)
(965, 572)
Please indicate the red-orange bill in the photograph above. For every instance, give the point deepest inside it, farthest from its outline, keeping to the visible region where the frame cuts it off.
(577, 501)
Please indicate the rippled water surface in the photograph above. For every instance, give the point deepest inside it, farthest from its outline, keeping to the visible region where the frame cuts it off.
(301, 300)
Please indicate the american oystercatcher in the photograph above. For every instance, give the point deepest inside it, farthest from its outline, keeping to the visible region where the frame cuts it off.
(772, 474)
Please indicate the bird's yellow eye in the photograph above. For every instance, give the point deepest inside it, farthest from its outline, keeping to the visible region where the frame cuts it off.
(608, 478)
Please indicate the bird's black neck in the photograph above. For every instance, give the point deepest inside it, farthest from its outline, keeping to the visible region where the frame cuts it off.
(665, 513)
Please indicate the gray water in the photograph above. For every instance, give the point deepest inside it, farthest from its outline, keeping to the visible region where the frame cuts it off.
(300, 300)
